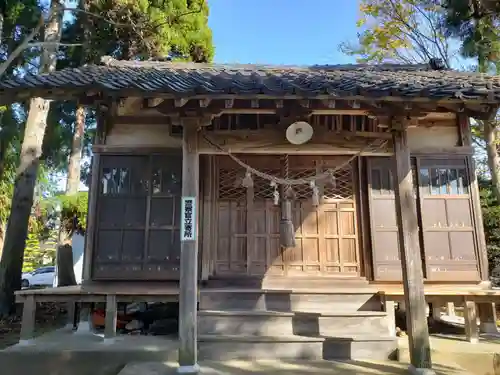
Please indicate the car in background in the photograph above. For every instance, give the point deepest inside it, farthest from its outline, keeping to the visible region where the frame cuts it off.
(43, 276)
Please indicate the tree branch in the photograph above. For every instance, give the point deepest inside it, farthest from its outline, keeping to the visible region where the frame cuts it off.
(53, 44)
(21, 47)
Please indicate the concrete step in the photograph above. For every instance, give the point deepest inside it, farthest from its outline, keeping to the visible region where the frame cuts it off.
(229, 347)
(310, 300)
(284, 282)
(277, 323)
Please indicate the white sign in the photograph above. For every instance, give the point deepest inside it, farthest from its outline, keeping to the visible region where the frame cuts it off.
(188, 219)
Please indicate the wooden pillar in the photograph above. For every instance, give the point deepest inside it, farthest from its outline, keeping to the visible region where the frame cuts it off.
(463, 124)
(436, 311)
(390, 309)
(91, 219)
(28, 321)
(411, 261)
(470, 320)
(85, 320)
(487, 317)
(71, 322)
(450, 309)
(188, 298)
(110, 320)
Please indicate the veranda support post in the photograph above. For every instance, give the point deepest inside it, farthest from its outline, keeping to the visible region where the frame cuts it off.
(188, 297)
(409, 249)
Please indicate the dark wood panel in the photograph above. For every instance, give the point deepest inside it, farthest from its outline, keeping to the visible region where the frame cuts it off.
(449, 236)
(138, 217)
(383, 223)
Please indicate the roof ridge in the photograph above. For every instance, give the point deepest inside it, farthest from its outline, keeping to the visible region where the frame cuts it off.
(112, 62)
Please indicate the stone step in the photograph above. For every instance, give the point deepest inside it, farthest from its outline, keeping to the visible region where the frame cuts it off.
(277, 323)
(229, 347)
(309, 300)
(284, 282)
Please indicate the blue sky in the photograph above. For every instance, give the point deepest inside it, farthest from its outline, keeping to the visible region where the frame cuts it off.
(296, 32)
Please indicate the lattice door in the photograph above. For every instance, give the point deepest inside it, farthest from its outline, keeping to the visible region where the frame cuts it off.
(248, 235)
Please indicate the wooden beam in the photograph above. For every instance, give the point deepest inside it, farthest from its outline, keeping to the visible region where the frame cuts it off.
(204, 103)
(153, 102)
(188, 298)
(180, 102)
(329, 103)
(274, 141)
(411, 261)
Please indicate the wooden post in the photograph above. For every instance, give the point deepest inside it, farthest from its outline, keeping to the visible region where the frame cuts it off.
(188, 298)
(436, 311)
(487, 317)
(91, 219)
(390, 309)
(411, 261)
(478, 221)
(28, 321)
(110, 320)
(85, 320)
(450, 309)
(470, 318)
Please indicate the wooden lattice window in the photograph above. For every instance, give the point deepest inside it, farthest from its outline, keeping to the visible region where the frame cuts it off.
(339, 188)
(138, 217)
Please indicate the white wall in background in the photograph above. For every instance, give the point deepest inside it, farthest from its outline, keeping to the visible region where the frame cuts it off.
(78, 242)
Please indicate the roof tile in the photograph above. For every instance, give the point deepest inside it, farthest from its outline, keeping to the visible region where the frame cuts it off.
(184, 79)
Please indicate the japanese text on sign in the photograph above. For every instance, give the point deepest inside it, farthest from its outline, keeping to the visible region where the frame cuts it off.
(188, 219)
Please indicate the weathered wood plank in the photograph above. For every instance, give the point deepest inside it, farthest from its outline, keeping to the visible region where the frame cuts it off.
(188, 298)
(411, 261)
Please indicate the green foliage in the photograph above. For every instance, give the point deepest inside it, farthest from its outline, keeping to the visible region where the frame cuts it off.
(491, 221)
(39, 252)
(74, 212)
(140, 29)
(403, 31)
(477, 24)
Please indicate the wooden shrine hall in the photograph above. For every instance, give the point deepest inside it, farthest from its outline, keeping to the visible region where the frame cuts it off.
(285, 208)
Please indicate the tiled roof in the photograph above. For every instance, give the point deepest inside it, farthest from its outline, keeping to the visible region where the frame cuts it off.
(185, 79)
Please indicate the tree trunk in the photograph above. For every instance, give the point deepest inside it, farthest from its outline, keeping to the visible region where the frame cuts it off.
(490, 138)
(31, 150)
(65, 273)
(2, 237)
(74, 167)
